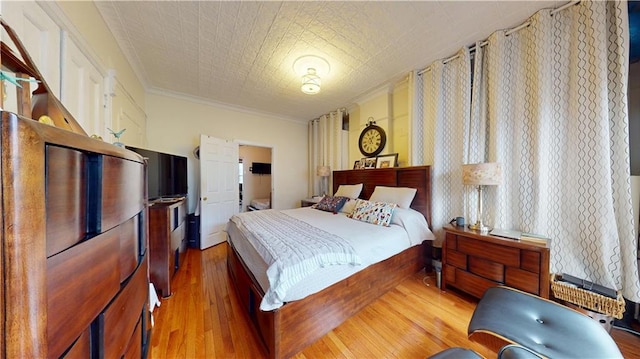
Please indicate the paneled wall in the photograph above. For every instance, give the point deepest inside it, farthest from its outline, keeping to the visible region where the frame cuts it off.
(82, 72)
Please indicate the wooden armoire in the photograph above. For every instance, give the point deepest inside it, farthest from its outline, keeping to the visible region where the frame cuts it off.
(74, 260)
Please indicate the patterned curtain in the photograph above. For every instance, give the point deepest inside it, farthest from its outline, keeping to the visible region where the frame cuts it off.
(556, 118)
(326, 148)
(446, 108)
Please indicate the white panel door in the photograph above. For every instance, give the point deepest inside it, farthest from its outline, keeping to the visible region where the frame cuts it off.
(219, 191)
(129, 121)
(82, 89)
(40, 36)
(126, 115)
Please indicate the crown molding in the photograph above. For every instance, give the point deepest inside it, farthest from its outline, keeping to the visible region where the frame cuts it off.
(208, 102)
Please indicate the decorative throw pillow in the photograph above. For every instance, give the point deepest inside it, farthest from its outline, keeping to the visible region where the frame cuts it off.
(378, 213)
(331, 204)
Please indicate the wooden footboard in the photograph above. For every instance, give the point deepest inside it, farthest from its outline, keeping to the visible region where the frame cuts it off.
(297, 324)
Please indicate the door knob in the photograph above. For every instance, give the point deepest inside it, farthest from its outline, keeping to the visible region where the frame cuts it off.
(204, 198)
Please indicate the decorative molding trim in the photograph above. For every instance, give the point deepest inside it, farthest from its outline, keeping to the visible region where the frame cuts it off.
(387, 87)
(208, 102)
(71, 32)
(402, 84)
(66, 25)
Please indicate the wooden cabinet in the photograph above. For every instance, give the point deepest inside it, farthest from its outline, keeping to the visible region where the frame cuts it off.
(308, 202)
(473, 262)
(167, 241)
(74, 239)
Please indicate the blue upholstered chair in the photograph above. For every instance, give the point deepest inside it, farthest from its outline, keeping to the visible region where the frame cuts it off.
(519, 325)
(505, 315)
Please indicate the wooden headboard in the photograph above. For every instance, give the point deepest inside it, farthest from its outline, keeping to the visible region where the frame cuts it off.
(418, 177)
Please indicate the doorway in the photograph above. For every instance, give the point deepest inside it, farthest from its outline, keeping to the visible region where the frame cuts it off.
(255, 178)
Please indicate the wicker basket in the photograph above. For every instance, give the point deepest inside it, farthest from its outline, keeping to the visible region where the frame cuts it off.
(586, 299)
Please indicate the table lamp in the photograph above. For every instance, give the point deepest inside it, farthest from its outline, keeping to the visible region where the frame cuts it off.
(481, 174)
(323, 172)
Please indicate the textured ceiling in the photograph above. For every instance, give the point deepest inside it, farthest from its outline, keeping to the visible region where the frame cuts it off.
(242, 53)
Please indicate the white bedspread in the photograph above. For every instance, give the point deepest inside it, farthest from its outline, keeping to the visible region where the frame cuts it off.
(371, 243)
(292, 248)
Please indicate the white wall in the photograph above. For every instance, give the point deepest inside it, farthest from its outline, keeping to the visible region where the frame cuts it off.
(174, 125)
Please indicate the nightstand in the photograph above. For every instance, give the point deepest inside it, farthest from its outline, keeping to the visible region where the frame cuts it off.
(473, 262)
(308, 202)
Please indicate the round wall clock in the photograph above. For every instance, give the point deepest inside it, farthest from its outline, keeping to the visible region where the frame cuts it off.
(372, 140)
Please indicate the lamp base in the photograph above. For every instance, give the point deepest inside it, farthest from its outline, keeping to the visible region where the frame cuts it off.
(479, 226)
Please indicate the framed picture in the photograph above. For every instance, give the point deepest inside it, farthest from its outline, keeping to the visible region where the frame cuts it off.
(368, 162)
(385, 161)
(357, 165)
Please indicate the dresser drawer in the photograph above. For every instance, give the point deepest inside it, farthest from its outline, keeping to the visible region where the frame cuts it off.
(129, 247)
(457, 259)
(122, 198)
(508, 256)
(134, 348)
(66, 189)
(124, 313)
(452, 241)
(178, 235)
(523, 280)
(530, 261)
(81, 348)
(472, 284)
(486, 269)
(450, 274)
(80, 283)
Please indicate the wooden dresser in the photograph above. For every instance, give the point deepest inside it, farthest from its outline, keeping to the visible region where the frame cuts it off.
(167, 241)
(74, 245)
(473, 262)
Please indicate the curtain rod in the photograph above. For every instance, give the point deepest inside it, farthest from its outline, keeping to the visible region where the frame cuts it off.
(507, 33)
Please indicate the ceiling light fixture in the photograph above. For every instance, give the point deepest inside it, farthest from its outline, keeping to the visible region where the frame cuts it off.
(310, 82)
(311, 68)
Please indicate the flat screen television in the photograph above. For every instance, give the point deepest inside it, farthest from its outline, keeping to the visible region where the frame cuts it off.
(167, 173)
(261, 168)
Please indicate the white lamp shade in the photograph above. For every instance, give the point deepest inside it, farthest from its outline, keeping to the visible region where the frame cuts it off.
(323, 171)
(482, 174)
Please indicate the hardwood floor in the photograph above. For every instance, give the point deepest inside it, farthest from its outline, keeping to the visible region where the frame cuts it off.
(414, 320)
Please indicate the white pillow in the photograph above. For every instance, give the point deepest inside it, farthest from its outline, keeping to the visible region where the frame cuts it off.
(349, 190)
(402, 196)
(414, 223)
(348, 207)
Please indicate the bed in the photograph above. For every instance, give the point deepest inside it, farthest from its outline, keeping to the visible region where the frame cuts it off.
(259, 204)
(289, 328)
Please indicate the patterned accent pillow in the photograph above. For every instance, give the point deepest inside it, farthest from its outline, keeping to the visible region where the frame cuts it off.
(378, 213)
(331, 204)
